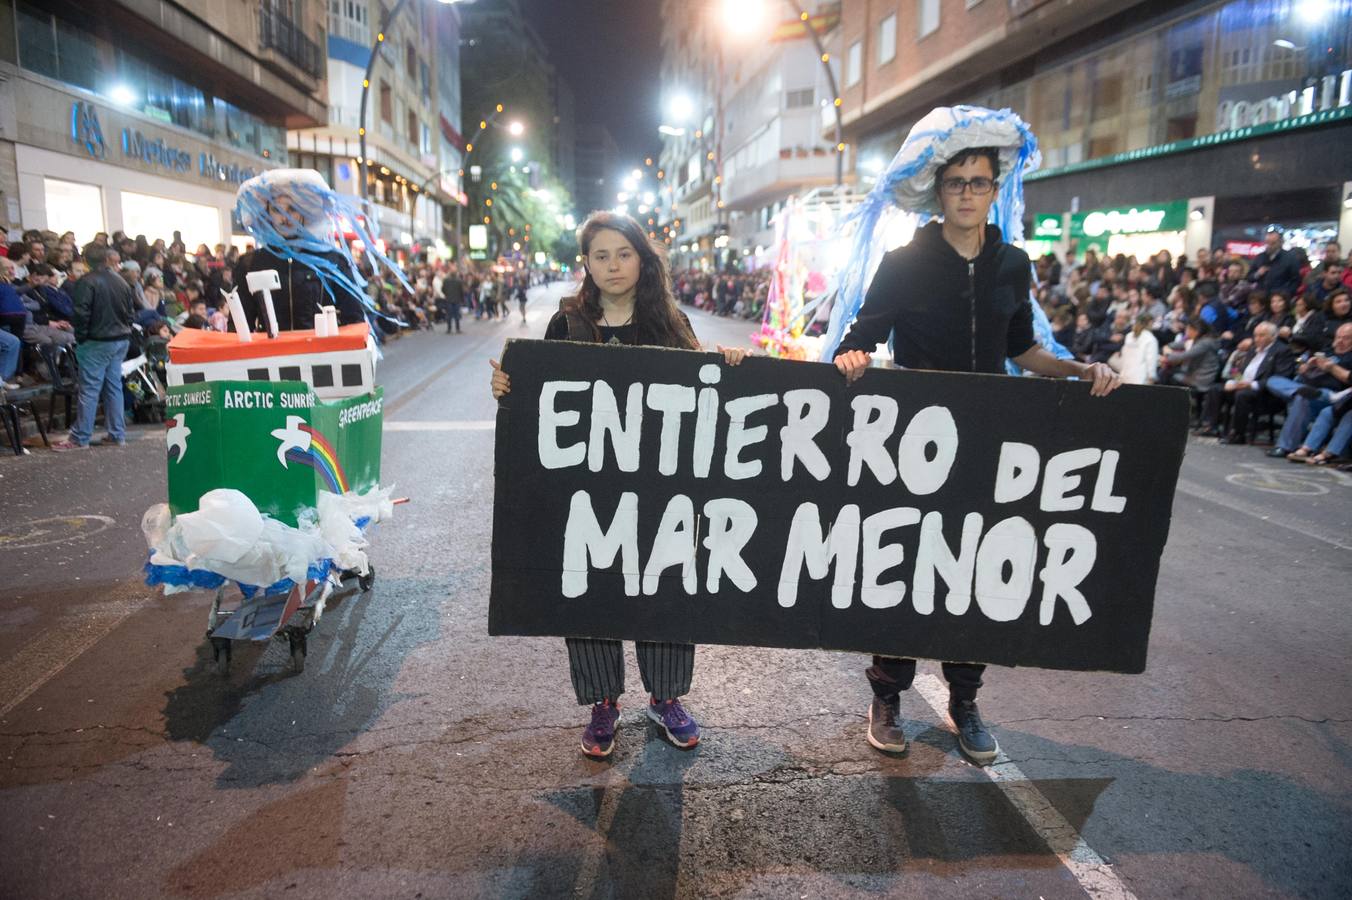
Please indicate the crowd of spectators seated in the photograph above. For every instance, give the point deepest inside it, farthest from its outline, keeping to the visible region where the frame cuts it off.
(1267, 336)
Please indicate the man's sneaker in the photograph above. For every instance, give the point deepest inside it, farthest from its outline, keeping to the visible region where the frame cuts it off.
(109, 441)
(68, 444)
(598, 739)
(883, 731)
(681, 730)
(974, 738)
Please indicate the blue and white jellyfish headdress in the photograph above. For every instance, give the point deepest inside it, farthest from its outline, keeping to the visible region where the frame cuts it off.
(297, 216)
(907, 186)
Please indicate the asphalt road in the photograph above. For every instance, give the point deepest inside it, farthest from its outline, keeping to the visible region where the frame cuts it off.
(417, 757)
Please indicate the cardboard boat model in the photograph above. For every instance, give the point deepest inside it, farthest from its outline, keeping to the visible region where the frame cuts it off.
(271, 485)
(337, 362)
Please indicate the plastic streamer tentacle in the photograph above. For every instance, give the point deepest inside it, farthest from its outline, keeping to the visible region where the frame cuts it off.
(315, 219)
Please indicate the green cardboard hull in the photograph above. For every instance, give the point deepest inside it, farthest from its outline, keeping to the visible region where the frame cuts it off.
(272, 440)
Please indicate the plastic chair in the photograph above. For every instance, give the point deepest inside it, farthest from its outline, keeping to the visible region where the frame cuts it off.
(12, 404)
(64, 379)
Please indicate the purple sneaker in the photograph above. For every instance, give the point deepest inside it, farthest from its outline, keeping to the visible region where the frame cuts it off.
(681, 730)
(598, 739)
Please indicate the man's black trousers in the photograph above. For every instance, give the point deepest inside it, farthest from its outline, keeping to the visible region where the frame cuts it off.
(889, 675)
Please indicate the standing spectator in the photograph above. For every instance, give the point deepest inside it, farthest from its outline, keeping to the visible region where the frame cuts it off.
(486, 293)
(1276, 269)
(453, 297)
(103, 317)
(521, 299)
(1140, 353)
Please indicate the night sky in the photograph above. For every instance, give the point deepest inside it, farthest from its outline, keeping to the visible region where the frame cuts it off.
(610, 52)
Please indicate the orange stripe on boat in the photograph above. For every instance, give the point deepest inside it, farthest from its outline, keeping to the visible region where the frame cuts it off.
(193, 345)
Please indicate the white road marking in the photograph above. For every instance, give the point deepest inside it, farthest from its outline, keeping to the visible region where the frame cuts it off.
(1094, 875)
(43, 658)
(52, 530)
(443, 425)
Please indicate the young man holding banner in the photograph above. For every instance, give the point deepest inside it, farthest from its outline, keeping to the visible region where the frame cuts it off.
(956, 299)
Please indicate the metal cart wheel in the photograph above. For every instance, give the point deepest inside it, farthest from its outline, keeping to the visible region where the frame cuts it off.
(220, 654)
(367, 581)
(297, 639)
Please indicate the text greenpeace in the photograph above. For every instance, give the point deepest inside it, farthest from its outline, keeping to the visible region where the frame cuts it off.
(661, 495)
(360, 412)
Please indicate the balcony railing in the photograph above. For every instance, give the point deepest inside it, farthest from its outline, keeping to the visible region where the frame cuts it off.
(277, 32)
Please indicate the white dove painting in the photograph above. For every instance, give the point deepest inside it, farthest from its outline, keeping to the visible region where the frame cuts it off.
(293, 437)
(176, 436)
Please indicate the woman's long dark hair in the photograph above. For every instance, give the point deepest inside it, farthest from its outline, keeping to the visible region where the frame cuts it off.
(655, 313)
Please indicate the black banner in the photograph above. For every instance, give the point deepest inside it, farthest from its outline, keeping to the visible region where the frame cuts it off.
(662, 495)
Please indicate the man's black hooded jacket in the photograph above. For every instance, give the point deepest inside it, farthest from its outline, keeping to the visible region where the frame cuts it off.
(948, 314)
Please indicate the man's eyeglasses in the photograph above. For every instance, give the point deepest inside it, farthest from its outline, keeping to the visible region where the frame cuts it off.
(980, 186)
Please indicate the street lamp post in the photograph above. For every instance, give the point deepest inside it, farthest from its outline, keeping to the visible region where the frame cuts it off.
(515, 129)
(366, 84)
(366, 90)
(825, 59)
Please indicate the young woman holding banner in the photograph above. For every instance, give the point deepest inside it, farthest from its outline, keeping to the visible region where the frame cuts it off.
(625, 298)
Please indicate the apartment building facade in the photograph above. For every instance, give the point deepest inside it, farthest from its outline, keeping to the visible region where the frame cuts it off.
(750, 114)
(146, 115)
(1216, 119)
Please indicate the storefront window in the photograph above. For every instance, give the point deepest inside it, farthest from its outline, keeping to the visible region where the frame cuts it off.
(74, 207)
(147, 213)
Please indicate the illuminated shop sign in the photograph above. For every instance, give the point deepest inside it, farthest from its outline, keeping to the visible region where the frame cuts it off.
(1047, 227)
(1144, 219)
(86, 132)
